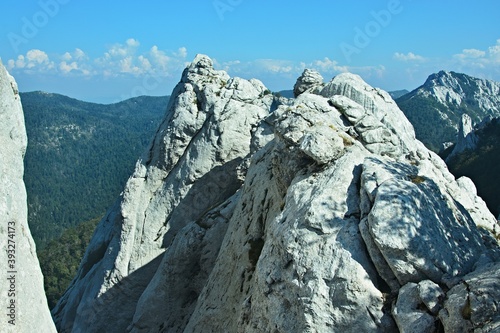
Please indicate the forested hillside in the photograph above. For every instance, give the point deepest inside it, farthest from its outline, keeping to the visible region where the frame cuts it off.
(80, 155)
(61, 257)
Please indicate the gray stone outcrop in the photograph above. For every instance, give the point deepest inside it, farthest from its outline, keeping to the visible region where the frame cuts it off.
(23, 302)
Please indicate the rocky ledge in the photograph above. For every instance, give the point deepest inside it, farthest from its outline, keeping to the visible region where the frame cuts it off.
(318, 214)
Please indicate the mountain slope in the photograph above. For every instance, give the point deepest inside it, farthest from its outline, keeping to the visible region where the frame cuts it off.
(481, 163)
(80, 155)
(398, 93)
(435, 108)
(324, 214)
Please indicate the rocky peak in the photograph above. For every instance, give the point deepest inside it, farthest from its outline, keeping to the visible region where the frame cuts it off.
(326, 213)
(456, 88)
(435, 108)
(309, 81)
(196, 161)
(23, 301)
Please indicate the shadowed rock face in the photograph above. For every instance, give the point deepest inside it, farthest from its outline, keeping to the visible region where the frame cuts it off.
(323, 215)
(21, 279)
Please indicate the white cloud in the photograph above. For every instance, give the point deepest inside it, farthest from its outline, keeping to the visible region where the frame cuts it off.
(479, 62)
(291, 70)
(67, 56)
(37, 56)
(144, 63)
(131, 42)
(227, 65)
(274, 65)
(66, 68)
(33, 60)
(181, 52)
(471, 53)
(76, 62)
(328, 66)
(79, 54)
(119, 59)
(18, 63)
(159, 58)
(494, 52)
(410, 56)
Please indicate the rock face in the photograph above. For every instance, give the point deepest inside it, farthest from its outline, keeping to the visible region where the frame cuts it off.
(24, 304)
(323, 215)
(466, 140)
(309, 81)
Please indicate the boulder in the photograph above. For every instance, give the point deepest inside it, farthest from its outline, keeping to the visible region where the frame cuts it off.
(310, 81)
(472, 305)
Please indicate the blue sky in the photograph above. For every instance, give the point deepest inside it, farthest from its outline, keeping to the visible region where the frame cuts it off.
(106, 51)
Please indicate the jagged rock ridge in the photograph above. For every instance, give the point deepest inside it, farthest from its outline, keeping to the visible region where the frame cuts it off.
(24, 305)
(436, 107)
(323, 215)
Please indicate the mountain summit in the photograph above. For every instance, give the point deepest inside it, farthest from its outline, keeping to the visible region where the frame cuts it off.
(321, 214)
(436, 107)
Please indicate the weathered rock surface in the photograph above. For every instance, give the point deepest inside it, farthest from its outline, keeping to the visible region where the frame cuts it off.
(310, 81)
(472, 305)
(417, 307)
(196, 161)
(21, 279)
(466, 138)
(324, 215)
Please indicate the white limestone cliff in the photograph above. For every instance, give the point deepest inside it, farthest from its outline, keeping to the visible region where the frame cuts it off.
(23, 302)
(323, 215)
(466, 139)
(196, 161)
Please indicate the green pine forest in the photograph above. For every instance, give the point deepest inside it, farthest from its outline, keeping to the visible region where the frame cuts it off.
(80, 155)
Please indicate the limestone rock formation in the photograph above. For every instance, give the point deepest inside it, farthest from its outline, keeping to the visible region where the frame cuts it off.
(23, 302)
(195, 163)
(309, 81)
(466, 140)
(324, 214)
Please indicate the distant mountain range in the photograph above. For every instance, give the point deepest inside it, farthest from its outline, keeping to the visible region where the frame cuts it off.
(80, 155)
(435, 108)
(398, 93)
